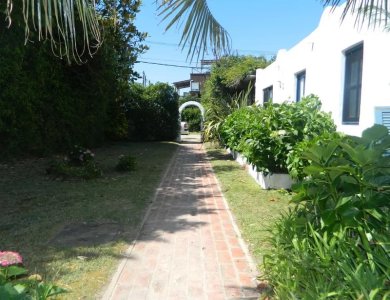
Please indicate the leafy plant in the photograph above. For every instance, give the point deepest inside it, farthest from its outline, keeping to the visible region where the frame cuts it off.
(79, 156)
(335, 243)
(79, 163)
(296, 162)
(14, 283)
(266, 135)
(152, 112)
(126, 163)
(226, 90)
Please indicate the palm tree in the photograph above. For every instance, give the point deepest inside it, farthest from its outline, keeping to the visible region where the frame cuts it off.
(202, 31)
(57, 21)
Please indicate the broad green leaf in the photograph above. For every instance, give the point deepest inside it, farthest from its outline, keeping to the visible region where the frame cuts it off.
(375, 133)
(14, 271)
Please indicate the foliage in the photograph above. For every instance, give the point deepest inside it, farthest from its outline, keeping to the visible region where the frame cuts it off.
(193, 117)
(265, 135)
(296, 163)
(336, 241)
(201, 31)
(227, 89)
(152, 112)
(14, 283)
(126, 163)
(79, 163)
(47, 105)
(79, 155)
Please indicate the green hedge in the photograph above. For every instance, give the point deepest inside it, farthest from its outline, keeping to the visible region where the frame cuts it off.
(152, 112)
(266, 135)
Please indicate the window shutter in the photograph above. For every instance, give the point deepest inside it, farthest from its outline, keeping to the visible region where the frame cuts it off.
(386, 119)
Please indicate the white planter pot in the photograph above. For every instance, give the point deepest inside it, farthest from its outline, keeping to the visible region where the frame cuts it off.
(275, 181)
(270, 181)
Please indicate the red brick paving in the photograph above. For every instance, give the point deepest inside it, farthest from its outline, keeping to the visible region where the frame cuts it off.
(188, 247)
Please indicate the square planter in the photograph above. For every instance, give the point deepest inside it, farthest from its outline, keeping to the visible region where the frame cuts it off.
(275, 181)
(269, 181)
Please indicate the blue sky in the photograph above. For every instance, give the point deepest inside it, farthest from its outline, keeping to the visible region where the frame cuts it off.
(257, 27)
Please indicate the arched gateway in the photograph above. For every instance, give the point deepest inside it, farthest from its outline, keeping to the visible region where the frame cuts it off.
(192, 103)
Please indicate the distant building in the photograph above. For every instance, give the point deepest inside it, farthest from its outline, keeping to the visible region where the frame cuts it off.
(195, 83)
(347, 66)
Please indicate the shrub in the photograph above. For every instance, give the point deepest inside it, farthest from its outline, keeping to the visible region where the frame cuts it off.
(14, 283)
(193, 117)
(335, 243)
(267, 134)
(126, 163)
(79, 163)
(152, 113)
(226, 89)
(296, 162)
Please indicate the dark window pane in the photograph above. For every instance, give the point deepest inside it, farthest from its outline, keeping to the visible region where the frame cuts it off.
(353, 85)
(267, 94)
(301, 82)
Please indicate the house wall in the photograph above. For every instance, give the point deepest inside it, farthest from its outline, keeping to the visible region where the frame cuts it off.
(322, 55)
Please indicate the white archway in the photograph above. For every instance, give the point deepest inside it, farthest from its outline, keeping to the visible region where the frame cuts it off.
(191, 103)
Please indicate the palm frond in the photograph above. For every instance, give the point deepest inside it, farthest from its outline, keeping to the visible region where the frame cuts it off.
(201, 32)
(366, 10)
(71, 25)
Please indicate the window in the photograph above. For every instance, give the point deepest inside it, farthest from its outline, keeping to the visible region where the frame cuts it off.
(195, 86)
(353, 85)
(267, 94)
(301, 81)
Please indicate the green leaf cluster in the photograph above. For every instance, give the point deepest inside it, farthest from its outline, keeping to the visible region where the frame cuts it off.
(14, 285)
(152, 112)
(265, 135)
(228, 88)
(47, 105)
(335, 244)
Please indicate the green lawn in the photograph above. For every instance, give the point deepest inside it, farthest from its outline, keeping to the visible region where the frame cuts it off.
(35, 207)
(255, 209)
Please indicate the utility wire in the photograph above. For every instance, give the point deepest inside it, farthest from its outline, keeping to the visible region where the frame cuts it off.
(167, 65)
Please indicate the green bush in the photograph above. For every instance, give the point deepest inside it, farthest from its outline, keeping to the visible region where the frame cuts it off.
(152, 113)
(335, 243)
(296, 162)
(226, 90)
(265, 135)
(47, 105)
(79, 163)
(126, 163)
(193, 117)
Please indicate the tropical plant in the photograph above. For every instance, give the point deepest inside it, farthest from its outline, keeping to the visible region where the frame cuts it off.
(74, 25)
(335, 242)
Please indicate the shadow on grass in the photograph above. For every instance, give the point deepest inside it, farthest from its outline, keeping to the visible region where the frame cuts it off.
(37, 209)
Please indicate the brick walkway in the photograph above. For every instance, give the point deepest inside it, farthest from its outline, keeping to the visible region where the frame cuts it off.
(188, 247)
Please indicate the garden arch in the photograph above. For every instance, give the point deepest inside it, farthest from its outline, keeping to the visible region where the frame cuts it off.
(192, 103)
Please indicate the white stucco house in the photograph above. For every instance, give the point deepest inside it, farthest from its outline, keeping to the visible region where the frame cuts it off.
(347, 66)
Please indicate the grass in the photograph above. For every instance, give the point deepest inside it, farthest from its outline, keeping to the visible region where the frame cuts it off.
(35, 207)
(254, 209)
